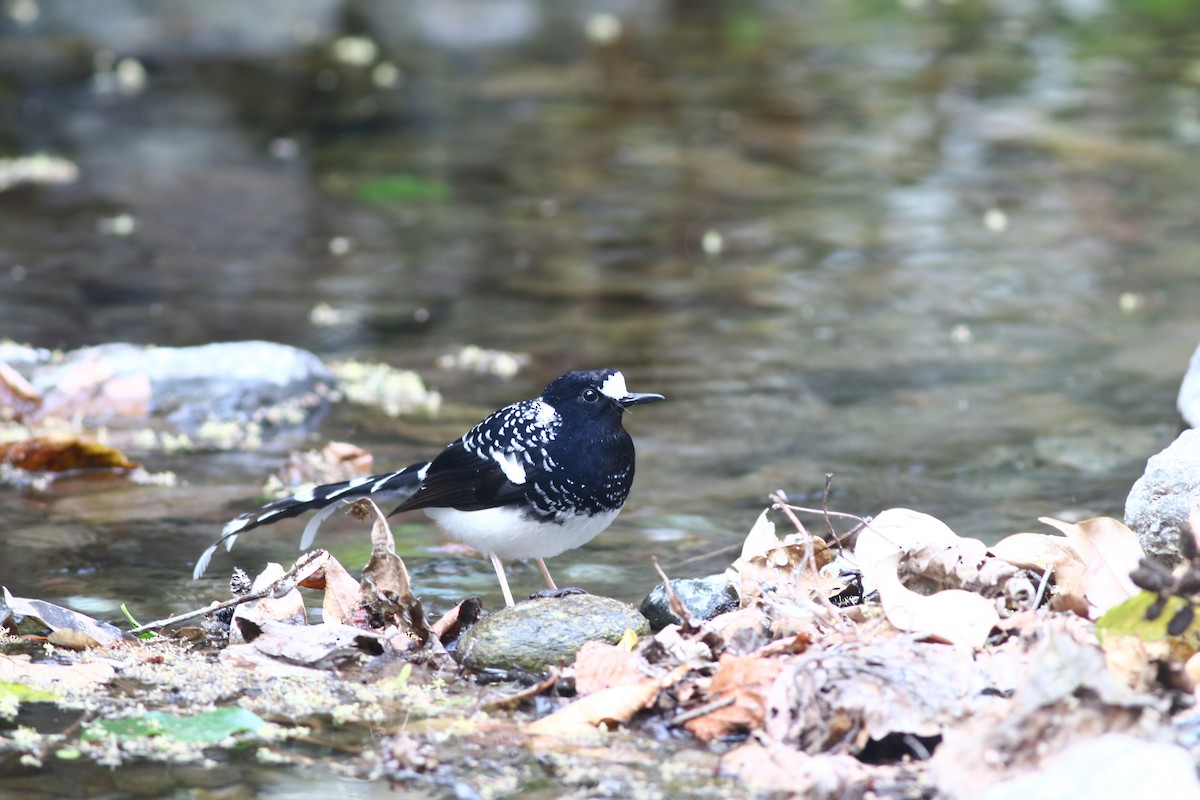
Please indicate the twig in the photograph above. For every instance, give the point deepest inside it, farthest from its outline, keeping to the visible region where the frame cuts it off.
(674, 604)
(511, 700)
(700, 711)
(1037, 598)
(810, 555)
(276, 587)
(825, 509)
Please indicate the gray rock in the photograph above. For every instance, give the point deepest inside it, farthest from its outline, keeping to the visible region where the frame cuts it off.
(704, 597)
(1189, 392)
(538, 634)
(1158, 505)
(229, 381)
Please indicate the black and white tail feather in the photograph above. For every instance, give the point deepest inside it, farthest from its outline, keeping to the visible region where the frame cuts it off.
(393, 487)
(529, 481)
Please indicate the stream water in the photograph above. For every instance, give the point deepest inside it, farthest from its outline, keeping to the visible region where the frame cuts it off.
(944, 251)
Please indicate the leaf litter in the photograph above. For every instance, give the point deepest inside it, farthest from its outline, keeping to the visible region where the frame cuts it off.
(897, 658)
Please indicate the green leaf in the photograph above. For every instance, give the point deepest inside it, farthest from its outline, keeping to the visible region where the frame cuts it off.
(27, 694)
(205, 728)
(404, 187)
(1129, 618)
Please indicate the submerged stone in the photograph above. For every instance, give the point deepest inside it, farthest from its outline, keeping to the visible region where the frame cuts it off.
(704, 597)
(538, 634)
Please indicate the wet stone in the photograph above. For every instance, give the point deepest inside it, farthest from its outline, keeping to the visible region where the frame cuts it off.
(538, 634)
(704, 597)
(1160, 502)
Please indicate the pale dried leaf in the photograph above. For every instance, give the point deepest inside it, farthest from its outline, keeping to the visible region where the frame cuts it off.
(1037, 551)
(288, 607)
(1110, 551)
(775, 767)
(790, 568)
(599, 665)
(953, 615)
(579, 719)
(321, 645)
(21, 669)
(57, 618)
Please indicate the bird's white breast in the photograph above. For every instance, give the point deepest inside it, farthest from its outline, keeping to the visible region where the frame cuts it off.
(507, 532)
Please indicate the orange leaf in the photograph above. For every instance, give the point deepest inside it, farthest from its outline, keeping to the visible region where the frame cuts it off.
(747, 679)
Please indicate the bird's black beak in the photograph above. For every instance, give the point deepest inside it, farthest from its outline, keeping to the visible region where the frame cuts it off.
(637, 398)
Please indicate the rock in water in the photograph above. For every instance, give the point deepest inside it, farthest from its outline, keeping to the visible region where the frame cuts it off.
(1158, 505)
(704, 597)
(538, 634)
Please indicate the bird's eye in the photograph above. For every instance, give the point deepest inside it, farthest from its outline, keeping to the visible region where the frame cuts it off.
(590, 395)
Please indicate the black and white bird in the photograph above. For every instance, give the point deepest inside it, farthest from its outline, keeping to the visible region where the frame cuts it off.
(531, 480)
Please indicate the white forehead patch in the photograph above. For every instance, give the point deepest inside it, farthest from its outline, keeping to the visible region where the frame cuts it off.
(614, 386)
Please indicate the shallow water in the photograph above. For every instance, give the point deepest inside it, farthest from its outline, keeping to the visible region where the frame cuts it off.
(943, 252)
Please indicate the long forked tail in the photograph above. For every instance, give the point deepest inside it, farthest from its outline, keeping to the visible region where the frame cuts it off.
(394, 486)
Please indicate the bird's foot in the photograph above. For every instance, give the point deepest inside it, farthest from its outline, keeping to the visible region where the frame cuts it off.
(563, 592)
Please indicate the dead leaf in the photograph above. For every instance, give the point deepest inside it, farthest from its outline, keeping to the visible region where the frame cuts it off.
(1110, 552)
(599, 665)
(323, 645)
(773, 766)
(386, 589)
(57, 618)
(789, 567)
(20, 668)
(579, 719)
(90, 388)
(953, 615)
(288, 607)
(455, 621)
(745, 679)
(343, 596)
(17, 394)
(335, 462)
(63, 454)
(1037, 551)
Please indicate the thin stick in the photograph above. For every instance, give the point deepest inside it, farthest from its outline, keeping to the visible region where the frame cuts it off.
(274, 588)
(825, 509)
(810, 555)
(700, 711)
(1037, 598)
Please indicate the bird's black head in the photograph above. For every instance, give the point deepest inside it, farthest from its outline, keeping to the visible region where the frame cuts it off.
(599, 390)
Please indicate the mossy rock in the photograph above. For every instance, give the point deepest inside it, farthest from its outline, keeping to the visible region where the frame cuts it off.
(538, 634)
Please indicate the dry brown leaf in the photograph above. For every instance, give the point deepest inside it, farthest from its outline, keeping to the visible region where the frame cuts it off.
(337, 461)
(322, 645)
(579, 719)
(63, 454)
(790, 566)
(745, 679)
(386, 589)
(21, 669)
(343, 595)
(773, 766)
(57, 618)
(599, 665)
(1110, 552)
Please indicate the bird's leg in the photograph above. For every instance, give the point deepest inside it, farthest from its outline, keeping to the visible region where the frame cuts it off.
(546, 573)
(553, 591)
(508, 600)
